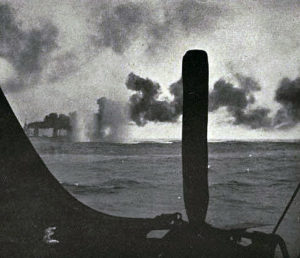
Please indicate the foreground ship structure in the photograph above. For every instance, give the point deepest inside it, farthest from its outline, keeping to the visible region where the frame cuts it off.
(39, 218)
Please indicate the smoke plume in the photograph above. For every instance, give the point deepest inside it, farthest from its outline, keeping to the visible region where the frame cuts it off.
(288, 95)
(238, 101)
(145, 105)
(109, 122)
(118, 26)
(26, 51)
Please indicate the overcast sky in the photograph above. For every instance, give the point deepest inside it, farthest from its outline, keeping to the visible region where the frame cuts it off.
(61, 56)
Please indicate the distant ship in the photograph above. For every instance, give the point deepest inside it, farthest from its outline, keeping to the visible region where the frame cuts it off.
(51, 131)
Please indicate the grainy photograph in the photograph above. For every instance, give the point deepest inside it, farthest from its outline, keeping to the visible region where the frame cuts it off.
(147, 128)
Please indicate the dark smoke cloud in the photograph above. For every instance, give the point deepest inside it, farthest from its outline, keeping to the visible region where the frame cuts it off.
(288, 95)
(176, 91)
(118, 26)
(26, 51)
(182, 18)
(247, 83)
(253, 118)
(237, 101)
(226, 95)
(145, 106)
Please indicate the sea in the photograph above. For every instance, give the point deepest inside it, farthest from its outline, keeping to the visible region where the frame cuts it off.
(250, 183)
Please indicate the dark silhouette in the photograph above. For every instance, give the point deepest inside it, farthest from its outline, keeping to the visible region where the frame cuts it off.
(53, 121)
(194, 135)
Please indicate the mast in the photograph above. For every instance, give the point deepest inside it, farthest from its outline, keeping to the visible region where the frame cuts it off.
(194, 135)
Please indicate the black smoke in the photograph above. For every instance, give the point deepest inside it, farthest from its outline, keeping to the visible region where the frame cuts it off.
(145, 105)
(26, 51)
(176, 91)
(288, 95)
(224, 94)
(238, 101)
(253, 118)
(118, 26)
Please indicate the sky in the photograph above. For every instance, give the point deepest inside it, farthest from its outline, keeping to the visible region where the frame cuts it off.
(61, 56)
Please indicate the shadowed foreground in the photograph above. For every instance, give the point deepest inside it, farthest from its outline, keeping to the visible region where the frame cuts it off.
(39, 218)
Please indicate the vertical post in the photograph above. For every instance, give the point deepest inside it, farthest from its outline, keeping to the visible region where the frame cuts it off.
(194, 135)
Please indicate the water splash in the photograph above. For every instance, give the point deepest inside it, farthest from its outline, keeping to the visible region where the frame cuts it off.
(81, 122)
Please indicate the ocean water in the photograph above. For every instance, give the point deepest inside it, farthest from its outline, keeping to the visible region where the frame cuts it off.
(250, 182)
